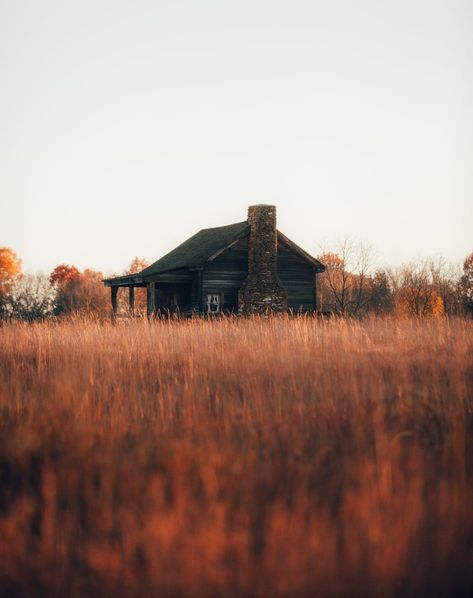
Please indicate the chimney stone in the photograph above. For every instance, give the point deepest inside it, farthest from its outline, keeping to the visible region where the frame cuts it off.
(262, 291)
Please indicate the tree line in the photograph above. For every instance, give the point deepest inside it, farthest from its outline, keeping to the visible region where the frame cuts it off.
(351, 286)
(66, 291)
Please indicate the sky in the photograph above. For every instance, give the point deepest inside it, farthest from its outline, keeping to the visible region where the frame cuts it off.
(126, 127)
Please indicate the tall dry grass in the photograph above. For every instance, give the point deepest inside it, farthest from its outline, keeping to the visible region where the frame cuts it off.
(237, 457)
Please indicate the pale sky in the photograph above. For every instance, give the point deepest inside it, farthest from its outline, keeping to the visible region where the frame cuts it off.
(125, 127)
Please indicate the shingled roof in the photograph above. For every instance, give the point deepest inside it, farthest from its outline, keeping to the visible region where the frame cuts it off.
(193, 253)
(201, 247)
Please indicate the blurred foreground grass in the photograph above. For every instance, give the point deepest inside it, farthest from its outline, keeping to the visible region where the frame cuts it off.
(286, 456)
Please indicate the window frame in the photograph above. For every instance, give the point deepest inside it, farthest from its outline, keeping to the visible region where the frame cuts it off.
(220, 296)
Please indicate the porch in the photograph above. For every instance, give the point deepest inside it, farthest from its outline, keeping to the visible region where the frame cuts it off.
(166, 294)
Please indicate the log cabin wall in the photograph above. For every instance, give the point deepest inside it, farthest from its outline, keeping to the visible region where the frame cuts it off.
(174, 291)
(298, 278)
(227, 272)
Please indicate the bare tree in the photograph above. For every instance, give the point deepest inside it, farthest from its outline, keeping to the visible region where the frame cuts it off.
(414, 290)
(465, 285)
(445, 277)
(381, 296)
(344, 286)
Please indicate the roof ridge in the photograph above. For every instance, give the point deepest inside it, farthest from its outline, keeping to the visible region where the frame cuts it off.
(206, 243)
(224, 225)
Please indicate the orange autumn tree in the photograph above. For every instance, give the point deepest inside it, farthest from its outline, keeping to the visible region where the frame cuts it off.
(10, 273)
(90, 295)
(78, 292)
(137, 265)
(63, 274)
(10, 269)
(64, 279)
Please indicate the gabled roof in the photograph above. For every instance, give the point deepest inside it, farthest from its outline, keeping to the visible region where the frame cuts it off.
(202, 247)
(194, 252)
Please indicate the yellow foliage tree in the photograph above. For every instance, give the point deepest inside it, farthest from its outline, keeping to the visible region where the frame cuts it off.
(419, 302)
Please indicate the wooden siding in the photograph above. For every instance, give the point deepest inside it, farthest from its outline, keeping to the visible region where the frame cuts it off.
(177, 276)
(298, 278)
(174, 292)
(227, 272)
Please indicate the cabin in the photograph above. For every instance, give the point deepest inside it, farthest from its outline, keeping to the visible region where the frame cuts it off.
(248, 268)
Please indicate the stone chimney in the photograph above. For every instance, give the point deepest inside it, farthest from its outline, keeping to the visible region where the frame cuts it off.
(262, 291)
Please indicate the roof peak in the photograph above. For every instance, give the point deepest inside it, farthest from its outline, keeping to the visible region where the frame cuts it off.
(200, 247)
(242, 223)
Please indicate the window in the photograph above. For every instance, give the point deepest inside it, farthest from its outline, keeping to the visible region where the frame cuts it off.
(213, 305)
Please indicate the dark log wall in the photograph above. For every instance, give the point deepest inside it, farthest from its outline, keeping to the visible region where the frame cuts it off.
(175, 291)
(298, 278)
(172, 297)
(227, 272)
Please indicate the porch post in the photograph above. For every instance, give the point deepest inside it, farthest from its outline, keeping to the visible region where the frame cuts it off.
(151, 299)
(113, 296)
(131, 297)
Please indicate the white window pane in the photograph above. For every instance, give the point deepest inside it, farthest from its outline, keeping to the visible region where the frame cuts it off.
(213, 303)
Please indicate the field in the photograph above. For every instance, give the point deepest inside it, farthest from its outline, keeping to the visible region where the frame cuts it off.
(267, 457)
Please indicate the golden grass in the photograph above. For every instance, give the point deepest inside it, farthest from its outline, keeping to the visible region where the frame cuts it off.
(237, 457)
